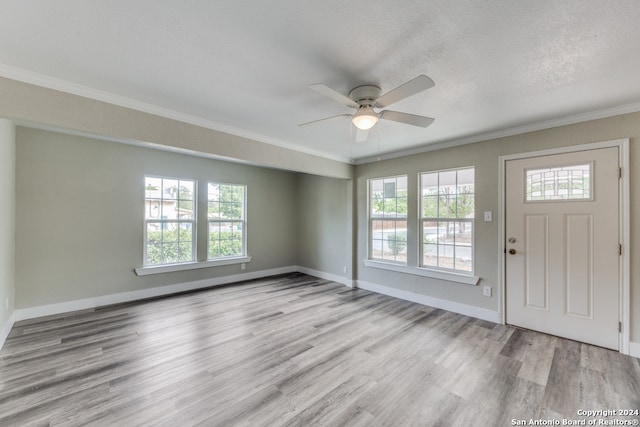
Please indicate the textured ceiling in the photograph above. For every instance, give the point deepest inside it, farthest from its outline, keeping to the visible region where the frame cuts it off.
(245, 66)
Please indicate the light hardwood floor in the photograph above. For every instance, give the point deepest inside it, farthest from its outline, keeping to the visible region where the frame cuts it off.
(297, 350)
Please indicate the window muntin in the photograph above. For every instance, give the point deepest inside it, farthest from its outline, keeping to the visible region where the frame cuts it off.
(388, 219)
(447, 220)
(562, 183)
(226, 214)
(169, 221)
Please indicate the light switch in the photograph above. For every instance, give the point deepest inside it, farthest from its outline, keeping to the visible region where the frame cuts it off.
(488, 216)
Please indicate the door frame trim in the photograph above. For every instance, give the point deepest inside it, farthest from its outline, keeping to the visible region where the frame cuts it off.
(624, 231)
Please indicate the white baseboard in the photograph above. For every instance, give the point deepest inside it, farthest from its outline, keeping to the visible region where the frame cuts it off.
(328, 276)
(64, 307)
(83, 304)
(456, 307)
(634, 349)
(4, 332)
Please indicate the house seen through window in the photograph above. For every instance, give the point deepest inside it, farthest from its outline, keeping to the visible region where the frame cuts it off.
(169, 221)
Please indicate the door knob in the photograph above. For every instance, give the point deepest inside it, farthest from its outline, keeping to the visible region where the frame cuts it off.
(512, 251)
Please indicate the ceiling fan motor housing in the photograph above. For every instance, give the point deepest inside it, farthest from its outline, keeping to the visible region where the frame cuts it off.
(365, 95)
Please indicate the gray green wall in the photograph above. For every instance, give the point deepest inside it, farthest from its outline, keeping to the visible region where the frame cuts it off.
(484, 156)
(80, 204)
(324, 226)
(7, 222)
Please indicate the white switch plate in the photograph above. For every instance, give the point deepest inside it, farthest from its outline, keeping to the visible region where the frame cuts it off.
(486, 291)
(488, 216)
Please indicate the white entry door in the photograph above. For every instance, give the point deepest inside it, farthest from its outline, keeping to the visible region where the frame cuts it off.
(562, 248)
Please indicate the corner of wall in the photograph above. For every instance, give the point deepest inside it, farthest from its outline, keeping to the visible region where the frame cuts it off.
(6, 329)
(7, 226)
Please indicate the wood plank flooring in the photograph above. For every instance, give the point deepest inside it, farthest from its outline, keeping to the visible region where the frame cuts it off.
(295, 350)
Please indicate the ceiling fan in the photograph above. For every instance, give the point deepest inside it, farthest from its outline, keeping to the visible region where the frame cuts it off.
(366, 98)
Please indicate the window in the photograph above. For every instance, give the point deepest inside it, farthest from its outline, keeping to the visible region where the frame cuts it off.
(169, 221)
(447, 217)
(559, 183)
(226, 215)
(388, 219)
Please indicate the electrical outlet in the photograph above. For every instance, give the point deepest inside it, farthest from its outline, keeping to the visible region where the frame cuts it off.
(486, 291)
(488, 216)
(242, 266)
(344, 269)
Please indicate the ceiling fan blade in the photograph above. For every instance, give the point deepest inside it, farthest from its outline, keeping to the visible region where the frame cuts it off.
(322, 120)
(403, 91)
(406, 118)
(361, 135)
(333, 94)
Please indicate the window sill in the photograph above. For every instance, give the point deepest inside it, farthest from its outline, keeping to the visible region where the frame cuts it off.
(418, 271)
(157, 269)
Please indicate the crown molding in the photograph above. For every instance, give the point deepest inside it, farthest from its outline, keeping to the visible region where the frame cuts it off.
(53, 83)
(518, 130)
(37, 79)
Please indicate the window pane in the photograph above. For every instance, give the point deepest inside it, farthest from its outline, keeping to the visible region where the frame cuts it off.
(185, 210)
(152, 187)
(376, 229)
(429, 184)
(169, 189)
(559, 183)
(430, 255)
(154, 254)
(376, 249)
(430, 207)
(464, 233)
(186, 251)
(214, 249)
(447, 180)
(429, 232)
(444, 232)
(152, 209)
(214, 210)
(170, 253)
(465, 206)
(447, 241)
(396, 246)
(466, 178)
(213, 192)
(226, 202)
(388, 213)
(447, 208)
(166, 201)
(154, 232)
(186, 190)
(445, 256)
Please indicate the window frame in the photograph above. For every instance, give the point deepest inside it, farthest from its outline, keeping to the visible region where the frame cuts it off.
(242, 221)
(440, 219)
(193, 221)
(371, 219)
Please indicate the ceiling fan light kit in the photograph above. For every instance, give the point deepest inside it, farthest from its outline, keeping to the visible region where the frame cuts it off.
(366, 98)
(365, 118)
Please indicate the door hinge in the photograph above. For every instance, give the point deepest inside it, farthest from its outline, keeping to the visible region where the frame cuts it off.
(620, 173)
(619, 249)
(619, 327)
